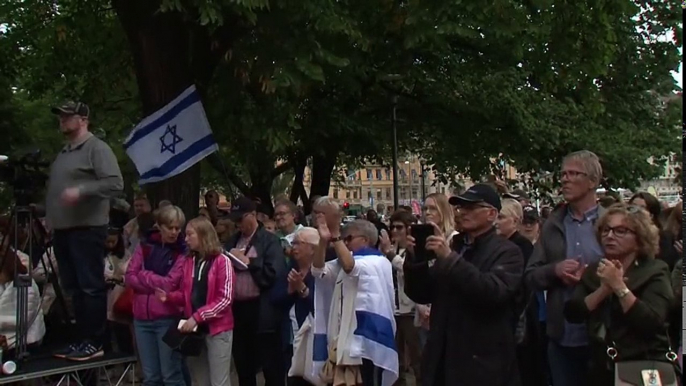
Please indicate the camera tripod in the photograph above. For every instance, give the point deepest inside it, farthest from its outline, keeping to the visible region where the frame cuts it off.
(23, 218)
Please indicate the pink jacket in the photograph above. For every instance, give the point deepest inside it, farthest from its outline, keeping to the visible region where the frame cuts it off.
(217, 312)
(146, 305)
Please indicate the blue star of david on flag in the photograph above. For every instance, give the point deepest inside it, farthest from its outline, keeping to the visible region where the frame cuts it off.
(167, 144)
(172, 139)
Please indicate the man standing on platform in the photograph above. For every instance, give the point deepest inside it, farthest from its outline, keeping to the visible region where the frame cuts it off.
(83, 178)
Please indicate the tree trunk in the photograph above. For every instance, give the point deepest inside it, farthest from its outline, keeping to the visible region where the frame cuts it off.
(159, 44)
(298, 189)
(322, 167)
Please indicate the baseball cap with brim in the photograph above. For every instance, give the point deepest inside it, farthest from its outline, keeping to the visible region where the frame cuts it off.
(517, 194)
(530, 214)
(479, 193)
(241, 206)
(71, 108)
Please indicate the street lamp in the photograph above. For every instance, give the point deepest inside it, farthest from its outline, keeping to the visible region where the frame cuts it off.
(409, 181)
(394, 119)
(423, 180)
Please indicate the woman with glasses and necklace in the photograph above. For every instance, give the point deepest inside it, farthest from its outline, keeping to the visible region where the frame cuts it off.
(625, 297)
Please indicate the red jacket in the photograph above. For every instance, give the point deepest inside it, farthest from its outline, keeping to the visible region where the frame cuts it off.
(217, 311)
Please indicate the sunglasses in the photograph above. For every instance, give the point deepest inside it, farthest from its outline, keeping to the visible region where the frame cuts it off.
(397, 227)
(350, 238)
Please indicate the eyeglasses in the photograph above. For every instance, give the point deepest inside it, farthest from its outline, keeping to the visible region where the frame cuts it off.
(279, 214)
(633, 209)
(572, 174)
(619, 231)
(397, 227)
(472, 207)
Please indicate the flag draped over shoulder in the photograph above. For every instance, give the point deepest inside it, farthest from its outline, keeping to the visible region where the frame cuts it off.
(373, 325)
(172, 139)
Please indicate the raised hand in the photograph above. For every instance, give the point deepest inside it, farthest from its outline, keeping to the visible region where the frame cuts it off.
(385, 244)
(324, 231)
(437, 243)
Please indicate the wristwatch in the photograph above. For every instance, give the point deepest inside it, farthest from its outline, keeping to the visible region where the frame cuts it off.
(334, 239)
(621, 293)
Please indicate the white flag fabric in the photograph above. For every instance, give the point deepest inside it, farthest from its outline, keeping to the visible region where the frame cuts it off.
(172, 139)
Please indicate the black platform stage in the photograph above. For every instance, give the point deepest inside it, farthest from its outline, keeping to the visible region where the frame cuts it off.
(43, 367)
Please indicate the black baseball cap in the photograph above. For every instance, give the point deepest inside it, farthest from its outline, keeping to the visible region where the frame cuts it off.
(517, 194)
(530, 214)
(479, 193)
(71, 108)
(241, 206)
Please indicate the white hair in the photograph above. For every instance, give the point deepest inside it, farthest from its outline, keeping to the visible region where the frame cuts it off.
(512, 208)
(365, 229)
(590, 163)
(327, 201)
(308, 235)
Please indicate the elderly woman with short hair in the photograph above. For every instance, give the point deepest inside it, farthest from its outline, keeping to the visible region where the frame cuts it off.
(295, 293)
(626, 296)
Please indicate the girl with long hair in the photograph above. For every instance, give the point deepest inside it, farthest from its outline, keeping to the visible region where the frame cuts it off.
(206, 297)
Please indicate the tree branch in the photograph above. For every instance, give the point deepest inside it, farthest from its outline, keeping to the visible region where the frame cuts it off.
(281, 168)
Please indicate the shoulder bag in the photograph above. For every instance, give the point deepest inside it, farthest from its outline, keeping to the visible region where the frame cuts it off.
(641, 372)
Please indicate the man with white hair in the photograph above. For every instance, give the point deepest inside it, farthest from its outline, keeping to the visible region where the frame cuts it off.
(568, 244)
(354, 326)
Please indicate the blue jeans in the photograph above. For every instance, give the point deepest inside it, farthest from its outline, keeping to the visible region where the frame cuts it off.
(568, 365)
(160, 364)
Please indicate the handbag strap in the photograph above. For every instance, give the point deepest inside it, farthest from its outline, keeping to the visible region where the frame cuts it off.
(612, 352)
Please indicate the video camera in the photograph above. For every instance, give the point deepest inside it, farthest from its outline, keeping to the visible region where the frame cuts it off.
(25, 174)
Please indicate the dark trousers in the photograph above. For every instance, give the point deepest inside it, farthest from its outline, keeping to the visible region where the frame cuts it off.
(409, 349)
(253, 350)
(80, 256)
(371, 375)
(568, 365)
(122, 336)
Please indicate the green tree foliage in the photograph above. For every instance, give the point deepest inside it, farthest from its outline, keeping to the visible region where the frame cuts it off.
(293, 82)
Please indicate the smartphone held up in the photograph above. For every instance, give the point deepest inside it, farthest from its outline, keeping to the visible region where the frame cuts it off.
(420, 233)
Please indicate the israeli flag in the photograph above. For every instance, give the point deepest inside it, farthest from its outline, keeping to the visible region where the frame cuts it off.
(172, 139)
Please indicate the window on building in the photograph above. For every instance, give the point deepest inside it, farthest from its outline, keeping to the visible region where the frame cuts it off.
(378, 194)
(403, 174)
(388, 193)
(388, 174)
(442, 189)
(414, 174)
(347, 194)
(378, 174)
(335, 193)
(369, 194)
(415, 193)
(369, 174)
(355, 195)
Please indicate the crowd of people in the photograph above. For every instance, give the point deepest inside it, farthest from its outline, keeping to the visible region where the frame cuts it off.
(481, 289)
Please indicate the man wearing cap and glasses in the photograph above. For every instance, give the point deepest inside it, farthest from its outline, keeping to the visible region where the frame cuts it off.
(83, 178)
(530, 223)
(472, 288)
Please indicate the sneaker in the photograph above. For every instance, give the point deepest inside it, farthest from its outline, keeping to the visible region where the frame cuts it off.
(66, 351)
(86, 351)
